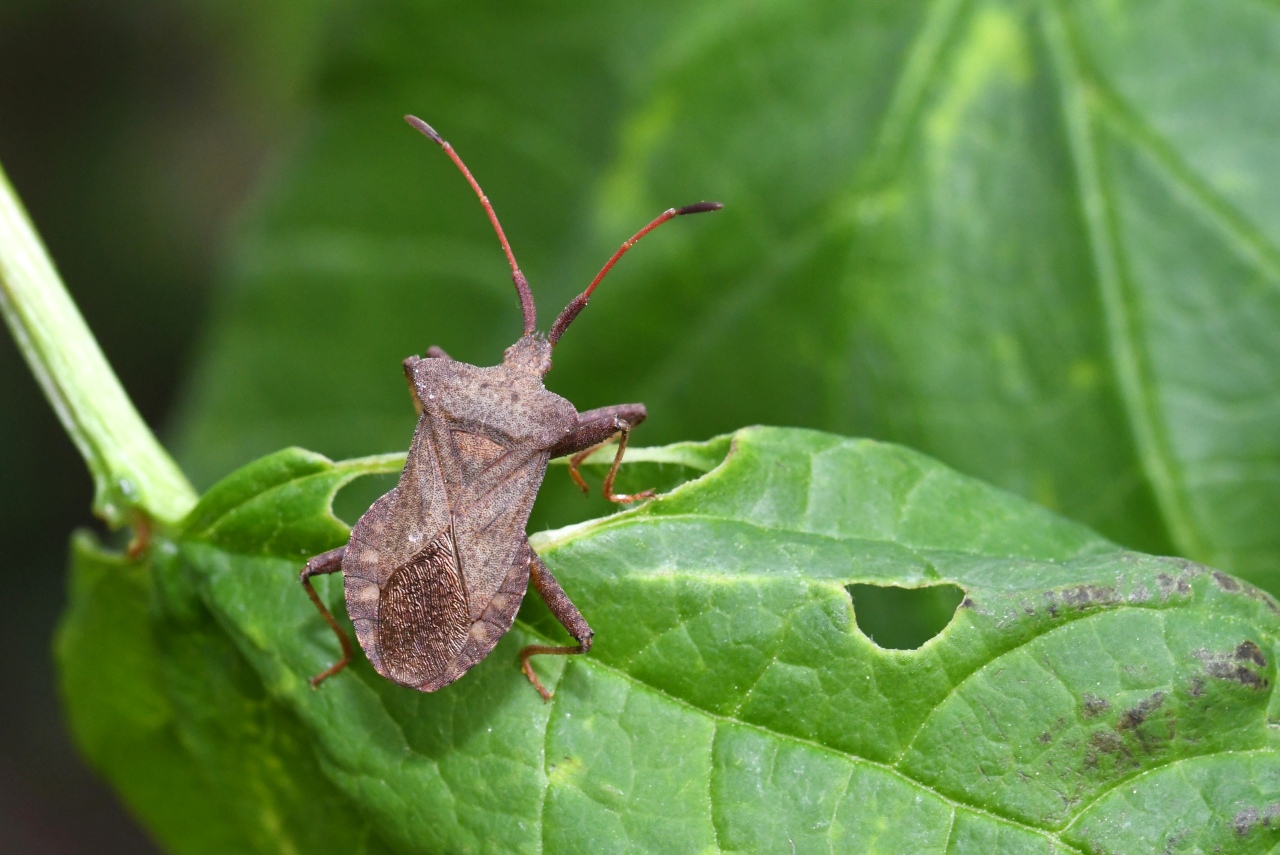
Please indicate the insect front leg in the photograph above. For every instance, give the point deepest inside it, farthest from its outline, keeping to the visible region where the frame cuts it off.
(322, 564)
(565, 612)
(596, 429)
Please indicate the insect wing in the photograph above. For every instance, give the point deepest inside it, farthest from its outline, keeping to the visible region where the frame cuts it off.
(423, 617)
(405, 590)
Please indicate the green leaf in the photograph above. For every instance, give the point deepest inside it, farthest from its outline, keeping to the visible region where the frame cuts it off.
(164, 705)
(1039, 240)
(1083, 698)
(112, 675)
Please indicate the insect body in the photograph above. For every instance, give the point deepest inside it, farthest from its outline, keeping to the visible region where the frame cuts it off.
(436, 569)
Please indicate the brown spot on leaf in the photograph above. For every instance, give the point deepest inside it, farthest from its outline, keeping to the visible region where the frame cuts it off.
(1247, 651)
(1250, 818)
(1263, 597)
(1092, 705)
(1181, 584)
(1136, 715)
(1045, 738)
(1106, 742)
(1225, 582)
(1235, 586)
(1232, 667)
(1083, 596)
(1140, 594)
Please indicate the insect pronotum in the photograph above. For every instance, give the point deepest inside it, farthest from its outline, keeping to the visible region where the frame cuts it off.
(436, 569)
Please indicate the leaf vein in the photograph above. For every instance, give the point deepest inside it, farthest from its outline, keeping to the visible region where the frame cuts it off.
(1135, 377)
(854, 759)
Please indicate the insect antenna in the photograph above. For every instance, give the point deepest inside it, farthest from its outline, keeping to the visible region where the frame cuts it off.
(522, 285)
(578, 303)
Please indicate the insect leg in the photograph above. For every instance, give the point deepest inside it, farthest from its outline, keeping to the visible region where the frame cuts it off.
(621, 498)
(576, 460)
(596, 429)
(565, 612)
(598, 426)
(326, 562)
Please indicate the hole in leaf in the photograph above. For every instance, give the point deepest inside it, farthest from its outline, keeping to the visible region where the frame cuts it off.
(354, 499)
(898, 618)
(661, 469)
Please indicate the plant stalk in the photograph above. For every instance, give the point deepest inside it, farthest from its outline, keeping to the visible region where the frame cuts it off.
(133, 474)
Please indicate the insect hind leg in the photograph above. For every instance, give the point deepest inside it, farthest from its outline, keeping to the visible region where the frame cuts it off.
(320, 565)
(565, 612)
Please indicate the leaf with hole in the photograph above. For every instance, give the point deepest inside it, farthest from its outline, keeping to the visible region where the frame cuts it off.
(1081, 698)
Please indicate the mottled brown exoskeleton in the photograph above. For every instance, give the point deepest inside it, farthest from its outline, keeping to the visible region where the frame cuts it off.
(436, 569)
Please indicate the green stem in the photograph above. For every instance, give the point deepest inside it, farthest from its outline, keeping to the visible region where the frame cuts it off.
(132, 473)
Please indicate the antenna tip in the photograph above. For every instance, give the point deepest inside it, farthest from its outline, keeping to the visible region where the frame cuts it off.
(423, 128)
(698, 208)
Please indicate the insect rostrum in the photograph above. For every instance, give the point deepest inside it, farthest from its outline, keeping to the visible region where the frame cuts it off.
(436, 569)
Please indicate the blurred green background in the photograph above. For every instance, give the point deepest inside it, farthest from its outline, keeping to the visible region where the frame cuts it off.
(1038, 240)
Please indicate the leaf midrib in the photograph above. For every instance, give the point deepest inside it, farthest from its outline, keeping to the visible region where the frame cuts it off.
(852, 759)
(1165, 472)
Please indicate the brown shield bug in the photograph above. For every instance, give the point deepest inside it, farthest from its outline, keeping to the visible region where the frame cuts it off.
(436, 569)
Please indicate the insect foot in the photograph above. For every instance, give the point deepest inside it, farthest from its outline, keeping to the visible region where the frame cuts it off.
(436, 569)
